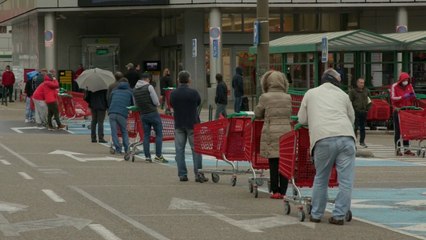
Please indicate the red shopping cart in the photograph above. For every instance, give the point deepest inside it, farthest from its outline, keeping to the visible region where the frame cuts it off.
(296, 100)
(412, 126)
(72, 106)
(224, 140)
(134, 131)
(252, 134)
(296, 165)
(167, 92)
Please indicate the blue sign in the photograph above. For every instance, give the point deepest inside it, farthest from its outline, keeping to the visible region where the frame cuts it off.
(194, 47)
(215, 48)
(324, 49)
(256, 33)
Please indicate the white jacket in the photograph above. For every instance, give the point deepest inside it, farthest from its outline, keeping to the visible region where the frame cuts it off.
(328, 111)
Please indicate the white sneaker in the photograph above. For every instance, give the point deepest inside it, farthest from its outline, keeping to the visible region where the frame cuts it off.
(27, 121)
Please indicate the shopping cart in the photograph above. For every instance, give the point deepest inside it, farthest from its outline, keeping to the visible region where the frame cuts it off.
(224, 140)
(71, 106)
(136, 132)
(295, 164)
(252, 134)
(167, 92)
(296, 100)
(412, 126)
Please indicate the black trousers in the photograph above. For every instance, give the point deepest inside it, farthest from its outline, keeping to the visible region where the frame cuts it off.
(52, 111)
(98, 117)
(279, 183)
(9, 90)
(360, 119)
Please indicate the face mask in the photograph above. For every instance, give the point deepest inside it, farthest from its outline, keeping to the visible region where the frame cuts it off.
(404, 83)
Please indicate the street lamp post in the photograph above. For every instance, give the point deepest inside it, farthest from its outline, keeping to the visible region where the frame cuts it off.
(263, 45)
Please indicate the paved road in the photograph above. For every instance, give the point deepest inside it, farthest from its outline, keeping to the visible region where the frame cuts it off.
(57, 185)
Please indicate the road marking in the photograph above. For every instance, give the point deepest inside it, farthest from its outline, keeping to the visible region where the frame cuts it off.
(14, 229)
(255, 225)
(17, 129)
(80, 159)
(52, 195)
(25, 176)
(103, 232)
(417, 228)
(19, 156)
(413, 203)
(52, 171)
(5, 162)
(124, 217)
(11, 207)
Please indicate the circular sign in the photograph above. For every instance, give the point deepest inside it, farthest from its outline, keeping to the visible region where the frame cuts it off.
(215, 32)
(48, 36)
(401, 29)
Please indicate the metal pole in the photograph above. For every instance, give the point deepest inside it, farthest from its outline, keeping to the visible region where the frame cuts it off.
(263, 47)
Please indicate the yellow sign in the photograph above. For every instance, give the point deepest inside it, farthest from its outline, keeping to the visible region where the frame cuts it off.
(65, 76)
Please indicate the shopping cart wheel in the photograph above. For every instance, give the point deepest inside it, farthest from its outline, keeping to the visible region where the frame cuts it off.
(287, 208)
(111, 150)
(256, 192)
(133, 158)
(309, 208)
(215, 177)
(301, 215)
(348, 216)
(251, 187)
(126, 157)
(269, 186)
(234, 181)
(259, 182)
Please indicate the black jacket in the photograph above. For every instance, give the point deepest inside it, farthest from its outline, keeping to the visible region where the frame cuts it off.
(133, 77)
(237, 83)
(165, 82)
(97, 100)
(185, 102)
(221, 93)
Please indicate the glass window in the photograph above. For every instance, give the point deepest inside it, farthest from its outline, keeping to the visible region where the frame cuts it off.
(274, 23)
(330, 22)
(419, 68)
(249, 22)
(308, 22)
(232, 22)
(288, 23)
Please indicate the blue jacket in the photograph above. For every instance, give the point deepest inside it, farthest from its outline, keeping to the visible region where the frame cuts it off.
(185, 102)
(121, 98)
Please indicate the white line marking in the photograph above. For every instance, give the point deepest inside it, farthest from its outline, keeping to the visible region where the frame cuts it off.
(19, 156)
(52, 195)
(105, 233)
(124, 217)
(25, 176)
(5, 162)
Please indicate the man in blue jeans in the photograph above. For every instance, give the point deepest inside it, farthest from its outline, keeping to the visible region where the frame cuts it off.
(329, 113)
(185, 102)
(118, 101)
(147, 100)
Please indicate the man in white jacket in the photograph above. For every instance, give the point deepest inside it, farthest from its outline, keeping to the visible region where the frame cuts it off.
(329, 113)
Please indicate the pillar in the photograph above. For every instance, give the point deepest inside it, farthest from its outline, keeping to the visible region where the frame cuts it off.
(263, 47)
(401, 21)
(215, 21)
(50, 40)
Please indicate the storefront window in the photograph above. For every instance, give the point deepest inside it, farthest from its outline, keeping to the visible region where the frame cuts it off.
(288, 23)
(248, 63)
(249, 22)
(274, 23)
(308, 22)
(330, 22)
(232, 22)
(419, 69)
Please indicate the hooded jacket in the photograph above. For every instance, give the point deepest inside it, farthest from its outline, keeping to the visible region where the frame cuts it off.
(402, 96)
(47, 91)
(8, 78)
(121, 98)
(238, 83)
(275, 108)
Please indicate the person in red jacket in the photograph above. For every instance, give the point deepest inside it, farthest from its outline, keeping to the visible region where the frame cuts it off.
(8, 80)
(51, 87)
(402, 95)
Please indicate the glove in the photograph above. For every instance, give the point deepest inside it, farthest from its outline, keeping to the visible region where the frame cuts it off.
(407, 95)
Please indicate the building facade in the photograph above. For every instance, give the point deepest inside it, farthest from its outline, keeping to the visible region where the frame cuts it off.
(61, 34)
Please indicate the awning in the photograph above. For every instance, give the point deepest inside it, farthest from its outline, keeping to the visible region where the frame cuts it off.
(412, 40)
(345, 41)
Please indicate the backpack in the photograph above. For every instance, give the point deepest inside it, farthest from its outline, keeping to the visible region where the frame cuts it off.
(245, 104)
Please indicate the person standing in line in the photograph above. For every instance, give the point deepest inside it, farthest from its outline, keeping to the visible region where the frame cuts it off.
(402, 95)
(165, 82)
(77, 73)
(98, 105)
(360, 101)
(120, 98)
(274, 108)
(119, 77)
(238, 86)
(51, 98)
(328, 111)
(29, 90)
(185, 102)
(131, 75)
(40, 106)
(147, 101)
(8, 80)
(221, 98)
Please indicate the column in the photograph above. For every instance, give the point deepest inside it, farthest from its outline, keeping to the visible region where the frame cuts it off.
(215, 21)
(49, 40)
(401, 26)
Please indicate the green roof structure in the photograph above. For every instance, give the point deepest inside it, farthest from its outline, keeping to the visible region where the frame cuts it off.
(411, 40)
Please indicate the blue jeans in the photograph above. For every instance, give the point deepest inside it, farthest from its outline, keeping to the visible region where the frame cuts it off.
(237, 104)
(329, 151)
(117, 121)
(29, 114)
(152, 120)
(181, 136)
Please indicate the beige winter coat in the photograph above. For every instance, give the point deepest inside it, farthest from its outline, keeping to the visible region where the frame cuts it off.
(275, 108)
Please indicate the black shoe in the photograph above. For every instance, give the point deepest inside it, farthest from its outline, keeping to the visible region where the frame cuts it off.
(102, 141)
(334, 221)
(94, 140)
(183, 178)
(201, 178)
(11, 101)
(315, 220)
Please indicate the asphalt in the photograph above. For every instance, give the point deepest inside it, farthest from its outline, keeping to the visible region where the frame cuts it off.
(109, 199)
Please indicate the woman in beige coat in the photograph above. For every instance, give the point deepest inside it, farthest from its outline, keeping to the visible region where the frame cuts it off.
(275, 108)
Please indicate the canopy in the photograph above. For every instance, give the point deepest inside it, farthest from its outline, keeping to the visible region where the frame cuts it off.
(412, 40)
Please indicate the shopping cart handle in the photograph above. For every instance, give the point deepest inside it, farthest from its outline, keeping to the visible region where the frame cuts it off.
(241, 114)
(410, 108)
(133, 108)
(294, 118)
(299, 126)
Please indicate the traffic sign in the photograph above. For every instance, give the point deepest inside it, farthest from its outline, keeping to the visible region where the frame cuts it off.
(324, 49)
(215, 48)
(256, 31)
(194, 47)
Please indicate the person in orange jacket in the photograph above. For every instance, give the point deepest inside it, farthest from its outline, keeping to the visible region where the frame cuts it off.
(402, 95)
